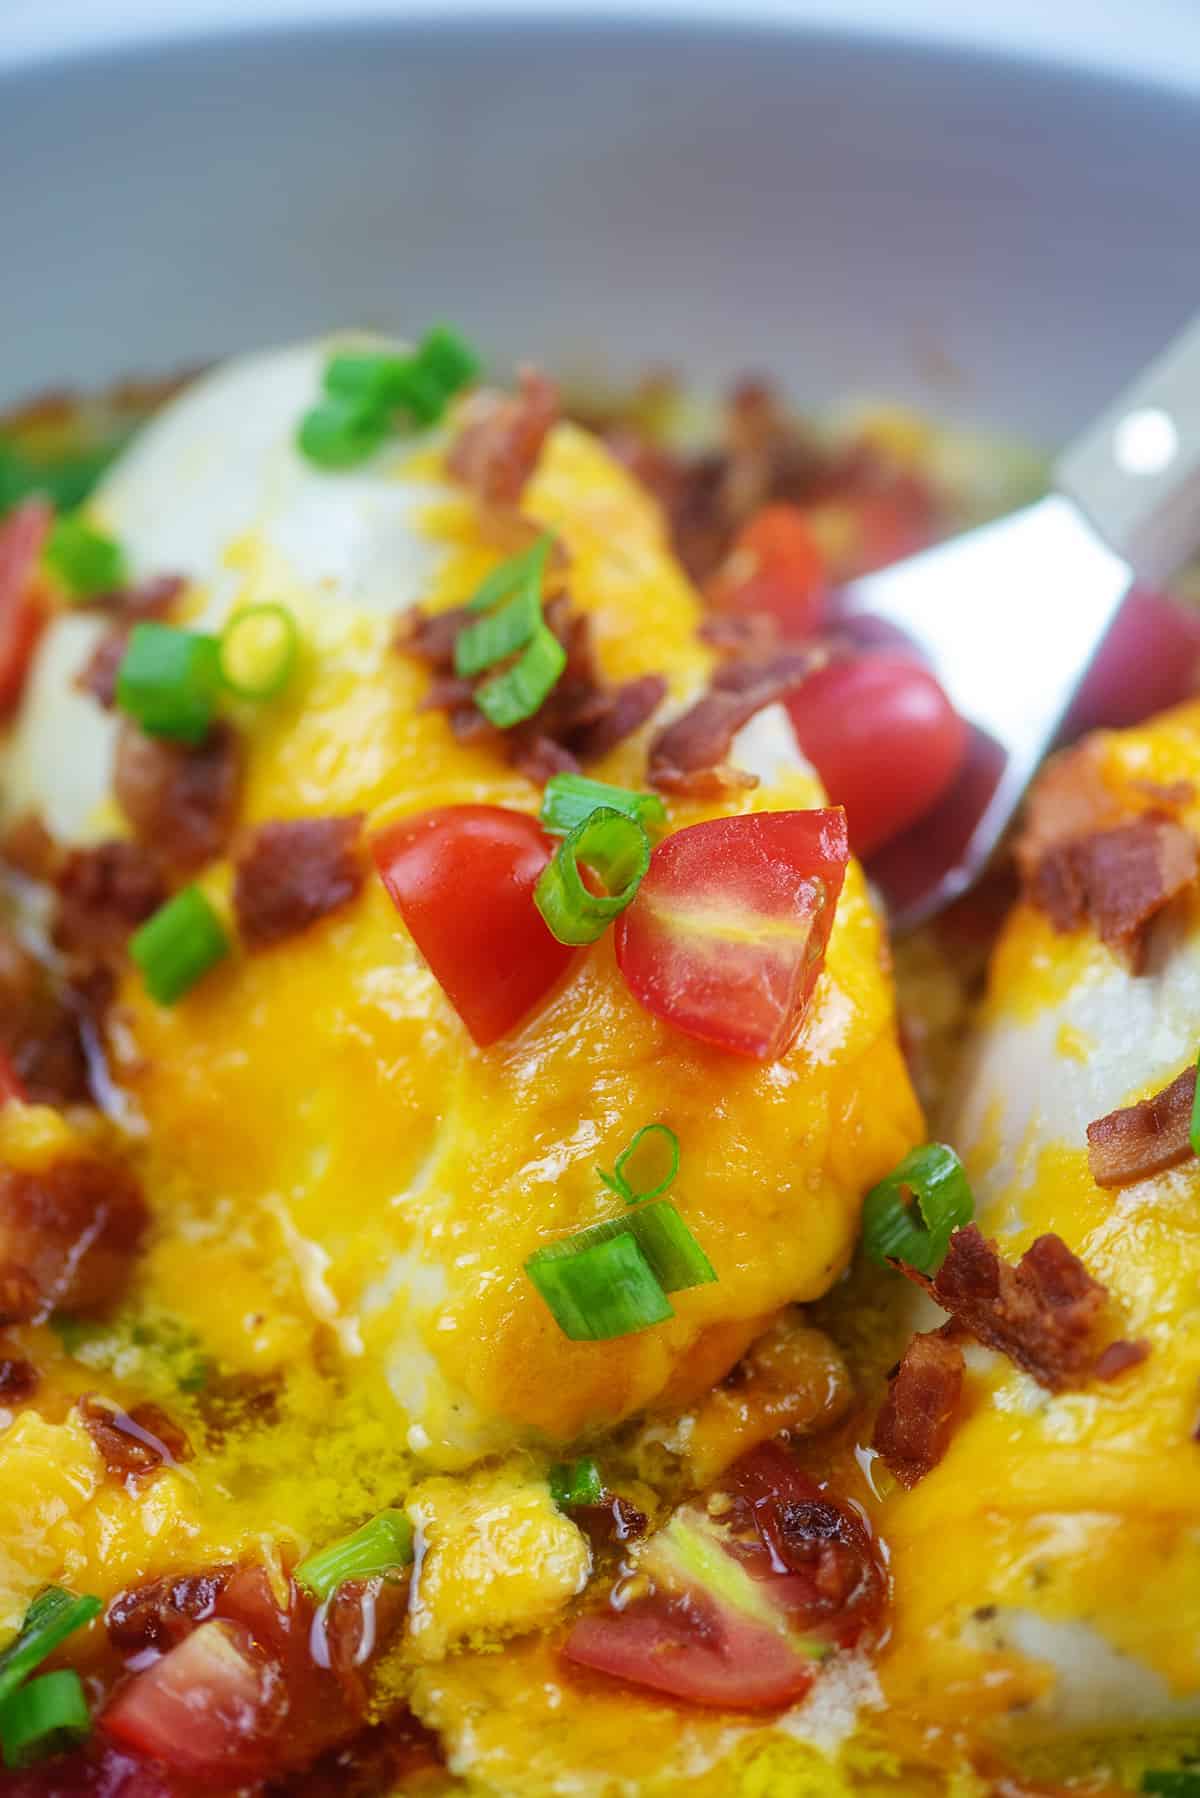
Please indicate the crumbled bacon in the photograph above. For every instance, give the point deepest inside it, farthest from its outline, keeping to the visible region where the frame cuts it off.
(1119, 879)
(104, 893)
(98, 676)
(23, 606)
(70, 1229)
(500, 438)
(162, 1612)
(18, 1380)
(181, 802)
(133, 1444)
(20, 1297)
(151, 598)
(689, 755)
(355, 1625)
(914, 1427)
(294, 872)
(28, 848)
(612, 1521)
(39, 1029)
(1070, 799)
(1042, 1313)
(1143, 1139)
(1119, 1357)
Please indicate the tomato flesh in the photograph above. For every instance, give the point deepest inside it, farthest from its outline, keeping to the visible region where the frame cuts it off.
(728, 932)
(214, 1705)
(775, 567)
(22, 613)
(462, 878)
(1148, 661)
(884, 738)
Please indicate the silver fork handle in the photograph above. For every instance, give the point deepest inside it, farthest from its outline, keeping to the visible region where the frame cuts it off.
(1136, 470)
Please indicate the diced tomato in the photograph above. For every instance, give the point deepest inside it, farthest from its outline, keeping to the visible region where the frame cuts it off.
(11, 1087)
(213, 1707)
(1149, 660)
(776, 567)
(884, 738)
(462, 878)
(727, 935)
(695, 1649)
(98, 1771)
(22, 611)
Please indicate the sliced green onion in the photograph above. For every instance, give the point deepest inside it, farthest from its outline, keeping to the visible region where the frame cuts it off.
(367, 377)
(383, 1545)
(178, 945)
(51, 1618)
(1194, 1131)
(570, 798)
(259, 647)
(339, 432)
(622, 1185)
(919, 1235)
(613, 846)
(1175, 1782)
(85, 560)
(599, 1284)
(449, 359)
(576, 1483)
(499, 634)
(516, 694)
(669, 1246)
(43, 1718)
(169, 681)
(507, 577)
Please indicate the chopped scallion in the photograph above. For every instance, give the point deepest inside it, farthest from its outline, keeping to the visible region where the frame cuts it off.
(570, 798)
(516, 694)
(169, 681)
(622, 1183)
(669, 1246)
(51, 1618)
(340, 432)
(918, 1234)
(599, 1284)
(576, 1483)
(384, 1545)
(44, 1717)
(507, 578)
(85, 560)
(259, 646)
(449, 358)
(616, 849)
(1173, 1782)
(499, 634)
(178, 945)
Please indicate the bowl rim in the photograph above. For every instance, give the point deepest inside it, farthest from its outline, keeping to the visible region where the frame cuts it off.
(1129, 42)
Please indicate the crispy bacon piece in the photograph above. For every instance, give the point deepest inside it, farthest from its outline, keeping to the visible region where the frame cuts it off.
(133, 1444)
(151, 598)
(501, 438)
(20, 1299)
(612, 1521)
(98, 676)
(18, 1380)
(1042, 1313)
(626, 709)
(39, 1030)
(689, 755)
(162, 1612)
(28, 848)
(23, 606)
(69, 1231)
(180, 802)
(914, 1427)
(1119, 1357)
(1119, 879)
(127, 606)
(104, 893)
(1143, 1139)
(294, 872)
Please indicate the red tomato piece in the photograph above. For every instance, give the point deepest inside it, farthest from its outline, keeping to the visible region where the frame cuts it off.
(462, 878)
(696, 1649)
(213, 1706)
(776, 567)
(1148, 661)
(22, 612)
(883, 737)
(728, 931)
(98, 1771)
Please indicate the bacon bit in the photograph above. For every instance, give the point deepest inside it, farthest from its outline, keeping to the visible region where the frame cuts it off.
(28, 848)
(98, 676)
(688, 756)
(39, 1033)
(388, 1757)
(501, 438)
(294, 872)
(356, 1623)
(1042, 1313)
(180, 802)
(1119, 1357)
(132, 1444)
(431, 636)
(20, 1297)
(23, 609)
(628, 707)
(1143, 1139)
(614, 1520)
(752, 635)
(18, 1381)
(913, 1430)
(162, 1612)
(104, 893)
(71, 1230)
(1120, 879)
(153, 598)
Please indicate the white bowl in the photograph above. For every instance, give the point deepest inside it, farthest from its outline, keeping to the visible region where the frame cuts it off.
(999, 229)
